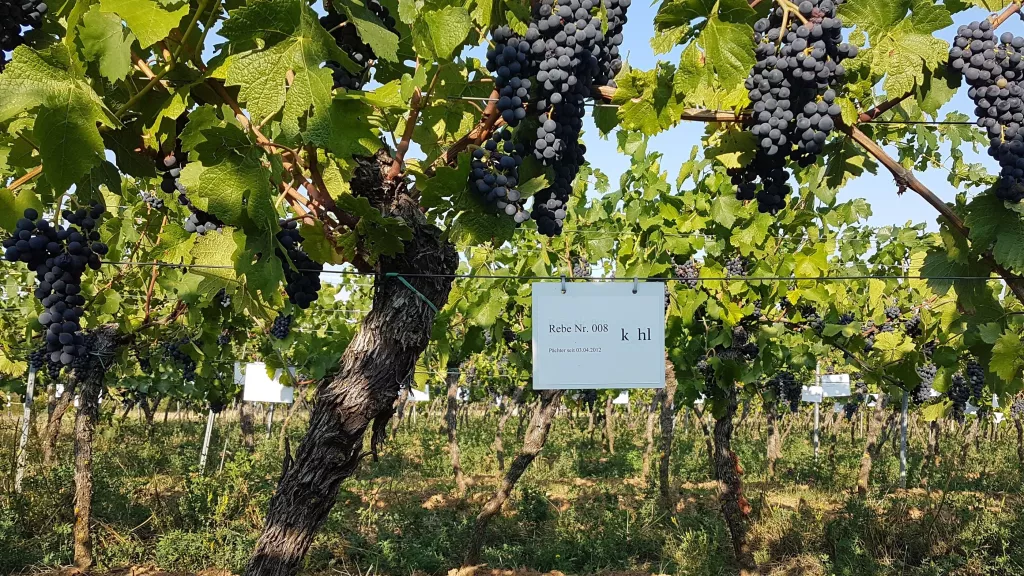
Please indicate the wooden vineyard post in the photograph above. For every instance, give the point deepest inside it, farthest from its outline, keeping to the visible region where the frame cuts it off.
(26, 427)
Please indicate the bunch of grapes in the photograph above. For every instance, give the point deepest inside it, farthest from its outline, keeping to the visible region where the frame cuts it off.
(154, 202)
(607, 53)
(993, 68)
(892, 313)
(959, 393)
(1017, 409)
(813, 319)
(914, 327)
(739, 336)
(581, 268)
(36, 359)
(860, 396)
(303, 274)
(222, 298)
(688, 273)
(15, 15)
(563, 37)
(786, 389)
(59, 257)
(757, 309)
(178, 356)
(199, 222)
(791, 87)
(923, 392)
(347, 38)
(736, 267)
(847, 319)
(928, 348)
(976, 378)
(282, 326)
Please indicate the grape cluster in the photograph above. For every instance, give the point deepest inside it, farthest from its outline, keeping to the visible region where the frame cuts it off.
(282, 326)
(59, 257)
(787, 389)
(302, 276)
(581, 268)
(914, 327)
(15, 15)
(495, 174)
(688, 273)
(994, 68)
(846, 319)
(959, 393)
(153, 201)
(892, 313)
(1017, 408)
(37, 359)
(736, 267)
(608, 59)
(976, 378)
(923, 392)
(347, 38)
(224, 338)
(199, 221)
(791, 87)
(860, 396)
(928, 348)
(564, 38)
(813, 319)
(178, 356)
(510, 61)
(223, 298)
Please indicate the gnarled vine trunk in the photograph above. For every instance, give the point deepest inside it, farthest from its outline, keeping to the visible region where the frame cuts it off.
(735, 507)
(876, 439)
(652, 417)
(245, 422)
(774, 437)
(451, 418)
(499, 436)
(53, 423)
(375, 364)
(536, 436)
(609, 423)
(90, 378)
(668, 422)
(1020, 439)
(403, 399)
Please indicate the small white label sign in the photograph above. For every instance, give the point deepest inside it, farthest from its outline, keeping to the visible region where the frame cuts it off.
(834, 385)
(598, 335)
(259, 387)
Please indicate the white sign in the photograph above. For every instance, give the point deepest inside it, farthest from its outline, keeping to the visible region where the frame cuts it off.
(419, 395)
(598, 335)
(834, 385)
(260, 387)
(622, 399)
(812, 394)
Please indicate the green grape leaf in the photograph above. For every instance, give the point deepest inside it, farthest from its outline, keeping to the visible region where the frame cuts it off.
(107, 43)
(343, 129)
(68, 112)
(647, 101)
(892, 346)
(902, 47)
(441, 32)
(382, 41)
(316, 243)
(724, 208)
(236, 190)
(150, 21)
(290, 40)
(12, 207)
(213, 265)
(1007, 356)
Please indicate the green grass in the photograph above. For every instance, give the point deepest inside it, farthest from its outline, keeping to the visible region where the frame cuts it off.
(578, 509)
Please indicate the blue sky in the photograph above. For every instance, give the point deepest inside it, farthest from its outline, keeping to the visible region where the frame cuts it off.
(879, 190)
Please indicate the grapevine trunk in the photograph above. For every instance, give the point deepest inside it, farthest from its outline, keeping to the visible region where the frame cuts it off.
(375, 364)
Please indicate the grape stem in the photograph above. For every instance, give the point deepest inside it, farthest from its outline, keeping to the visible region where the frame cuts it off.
(788, 7)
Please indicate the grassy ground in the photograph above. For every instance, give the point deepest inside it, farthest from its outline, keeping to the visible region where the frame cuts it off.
(578, 510)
